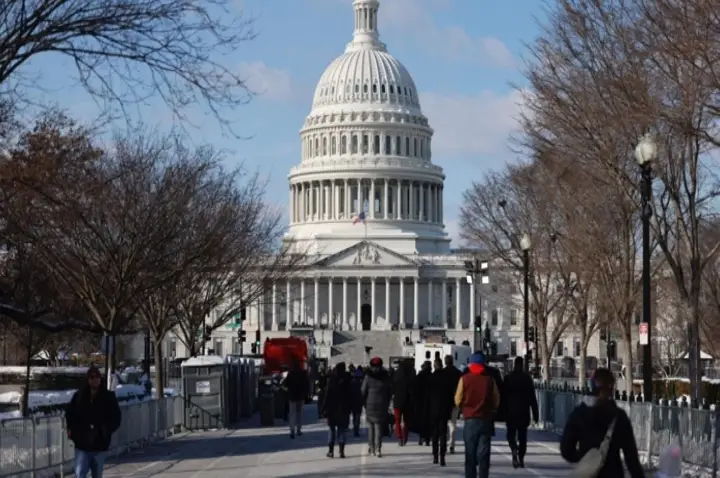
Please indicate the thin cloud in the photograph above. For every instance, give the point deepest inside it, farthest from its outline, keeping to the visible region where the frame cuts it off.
(268, 83)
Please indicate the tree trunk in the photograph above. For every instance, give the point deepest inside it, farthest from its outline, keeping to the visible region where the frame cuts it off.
(628, 356)
(159, 370)
(25, 407)
(582, 372)
(545, 356)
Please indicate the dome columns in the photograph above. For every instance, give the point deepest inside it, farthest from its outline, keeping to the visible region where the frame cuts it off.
(381, 199)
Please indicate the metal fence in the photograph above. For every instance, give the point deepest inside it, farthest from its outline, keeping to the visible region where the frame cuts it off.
(656, 426)
(39, 447)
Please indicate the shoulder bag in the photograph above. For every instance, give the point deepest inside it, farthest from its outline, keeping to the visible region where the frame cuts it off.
(592, 462)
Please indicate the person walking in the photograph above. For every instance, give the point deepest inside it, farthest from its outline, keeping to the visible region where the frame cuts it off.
(478, 397)
(454, 375)
(376, 393)
(521, 399)
(602, 429)
(440, 407)
(419, 422)
(357, 402)
(402, 384)
(92, 417)
(336, 406)
(297, 385)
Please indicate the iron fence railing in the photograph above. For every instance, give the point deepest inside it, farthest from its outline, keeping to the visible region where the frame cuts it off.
(656, 425)
(39, 446)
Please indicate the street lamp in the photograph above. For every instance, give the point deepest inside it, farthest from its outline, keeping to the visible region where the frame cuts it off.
(525, 245)
(645, 154)
(476, 272)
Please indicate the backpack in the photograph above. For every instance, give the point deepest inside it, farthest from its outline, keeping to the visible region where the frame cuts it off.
(592, 462)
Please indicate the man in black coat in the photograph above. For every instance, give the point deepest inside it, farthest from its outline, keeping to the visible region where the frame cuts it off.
(402, 383)
(92, 416)
(336, 406)
(521, 399)
(441, 402)
(297, 384)
(419, 422)
(454, 377)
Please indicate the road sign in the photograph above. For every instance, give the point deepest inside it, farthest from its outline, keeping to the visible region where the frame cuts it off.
(643, 332)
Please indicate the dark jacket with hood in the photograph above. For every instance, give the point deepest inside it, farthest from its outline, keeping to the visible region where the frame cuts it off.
(297, 384)
(402, 383)
(92, 421)
(586, 428)
(337, 401)
(357, 399)
(376, 393)
(520, 398)
(441, 395)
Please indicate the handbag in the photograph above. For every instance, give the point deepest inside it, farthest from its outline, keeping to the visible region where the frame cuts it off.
(592, 462)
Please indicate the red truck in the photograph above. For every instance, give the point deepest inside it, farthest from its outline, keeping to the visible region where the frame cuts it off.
(278, 355)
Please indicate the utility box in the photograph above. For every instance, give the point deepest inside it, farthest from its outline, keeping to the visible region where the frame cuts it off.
(204, 381)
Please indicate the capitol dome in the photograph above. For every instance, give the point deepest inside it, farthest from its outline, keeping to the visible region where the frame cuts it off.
(366, 154)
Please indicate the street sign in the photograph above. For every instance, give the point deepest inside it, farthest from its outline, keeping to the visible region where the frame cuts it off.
(643, 332)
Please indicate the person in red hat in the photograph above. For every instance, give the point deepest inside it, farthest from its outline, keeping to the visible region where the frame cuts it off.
(376, 393)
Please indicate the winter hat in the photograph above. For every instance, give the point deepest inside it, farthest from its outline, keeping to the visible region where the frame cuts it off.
(478, 358)
(376, 362)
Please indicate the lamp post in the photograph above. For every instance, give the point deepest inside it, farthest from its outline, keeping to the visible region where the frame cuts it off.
(525, 245)
(476, 272)
(645, 154)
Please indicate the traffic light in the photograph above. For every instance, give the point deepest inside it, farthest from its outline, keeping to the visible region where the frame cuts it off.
(478, 323)
(243, 311)
(254, 349)
(531, 334)
(208, 333)
(257, 339)
(242, 336)
(612, 350)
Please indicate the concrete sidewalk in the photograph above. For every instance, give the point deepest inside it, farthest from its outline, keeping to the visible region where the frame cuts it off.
(255, 452)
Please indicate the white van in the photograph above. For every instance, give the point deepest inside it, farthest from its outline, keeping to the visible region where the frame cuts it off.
(429, 352)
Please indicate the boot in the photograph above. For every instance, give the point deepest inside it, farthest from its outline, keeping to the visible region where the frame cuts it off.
(435, 459)
(331, 453)
(435, 452)
(521, 461)
(341, 448)
(379, 453)
(515, 461)
(442, 460)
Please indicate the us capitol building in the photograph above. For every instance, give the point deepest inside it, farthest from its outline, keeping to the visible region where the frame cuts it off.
(366, 204)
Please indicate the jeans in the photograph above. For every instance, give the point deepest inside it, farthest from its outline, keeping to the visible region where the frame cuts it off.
(89, 462)
(477, 434)
(401, 427)
(356, 416)
(517, 439)
(452, 426)
(296, 416)
(376, 430)
(336, 434)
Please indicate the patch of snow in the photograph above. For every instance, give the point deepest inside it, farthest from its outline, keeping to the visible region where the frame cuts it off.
(20, 369)
(203, 361)
(715, 381)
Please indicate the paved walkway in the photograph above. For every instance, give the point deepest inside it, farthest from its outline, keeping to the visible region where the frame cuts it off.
(255, 452)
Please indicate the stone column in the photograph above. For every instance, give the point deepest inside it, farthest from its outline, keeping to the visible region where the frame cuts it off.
(421, 200)
(292, 203)
(331, 317)
(274, 324)
(416, 297)
(359, 303)
(372, 301)
(458, 311)
(431, 315)
(346, 211)
(401, 323)
(316, 312)
(371, 200)
(398, 206)
(386, 198)
(411, 211)
(288, 305)
(346, 320)
(387, 300)
(358, 197)
(302, 301)
(443, 301)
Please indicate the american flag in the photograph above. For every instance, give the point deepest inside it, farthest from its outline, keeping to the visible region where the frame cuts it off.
(359, 218)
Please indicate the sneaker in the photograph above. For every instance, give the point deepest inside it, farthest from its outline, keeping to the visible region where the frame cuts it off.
(452, 449)
(299, 433)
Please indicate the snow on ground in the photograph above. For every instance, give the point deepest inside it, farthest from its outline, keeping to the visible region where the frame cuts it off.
(715, 381)
(20, 369)
(203, 361)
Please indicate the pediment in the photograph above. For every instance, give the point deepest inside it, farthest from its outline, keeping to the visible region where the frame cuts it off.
(366, 254)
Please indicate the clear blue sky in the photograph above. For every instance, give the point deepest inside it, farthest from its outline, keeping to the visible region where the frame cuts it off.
(463, 55)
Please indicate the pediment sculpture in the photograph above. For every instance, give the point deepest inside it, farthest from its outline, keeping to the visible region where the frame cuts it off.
(366, 254)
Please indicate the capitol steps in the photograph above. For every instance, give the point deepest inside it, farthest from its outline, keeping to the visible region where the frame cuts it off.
(349, 346)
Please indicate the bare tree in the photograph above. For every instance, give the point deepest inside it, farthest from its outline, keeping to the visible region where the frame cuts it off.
(126, 52)
(495, 214)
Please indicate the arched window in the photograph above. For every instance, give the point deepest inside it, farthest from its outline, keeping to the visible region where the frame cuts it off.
(354, 144)
(415, 147)
(407, 146)
(392, 89)
(376, 144)
(343, 144)
(324, 146)
(382, 88)
(333, 145)
(374, 88)
(365, 145)
(388, 145)
(422, 147)
(357, 88)
(365, 89)
(398, 146)
(317, 147)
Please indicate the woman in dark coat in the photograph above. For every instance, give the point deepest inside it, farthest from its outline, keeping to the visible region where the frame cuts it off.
(521, 399)
(440, 401)
(376, 392)
(337, 405)
(402, 383)
(419, 422)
